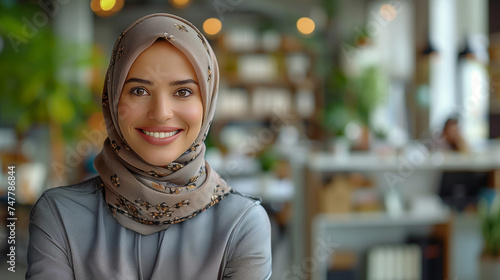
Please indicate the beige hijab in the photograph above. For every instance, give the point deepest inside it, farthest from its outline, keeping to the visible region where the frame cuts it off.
(144, 197)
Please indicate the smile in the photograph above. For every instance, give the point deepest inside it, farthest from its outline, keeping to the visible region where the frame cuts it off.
(160, 135)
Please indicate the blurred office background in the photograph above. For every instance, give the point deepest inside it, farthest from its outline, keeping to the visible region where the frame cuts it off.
(332, 111)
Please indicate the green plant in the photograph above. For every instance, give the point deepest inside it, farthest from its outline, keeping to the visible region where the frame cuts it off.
(490, 228)
(352, 98)
(268, 160)
(32, 64)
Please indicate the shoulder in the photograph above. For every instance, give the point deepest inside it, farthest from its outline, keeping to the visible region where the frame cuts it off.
(242, 214)
(241, 206)
(248, 250)
(80, 195)
(64, 210)
(85, 188)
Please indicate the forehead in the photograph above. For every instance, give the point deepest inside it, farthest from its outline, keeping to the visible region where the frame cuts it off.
(160, 60)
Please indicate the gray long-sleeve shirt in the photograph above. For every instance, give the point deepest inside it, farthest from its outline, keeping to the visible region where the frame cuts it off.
(73, 235)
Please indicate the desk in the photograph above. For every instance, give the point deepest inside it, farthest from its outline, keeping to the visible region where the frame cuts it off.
(349, 231)
(357, 162)
(310, 168)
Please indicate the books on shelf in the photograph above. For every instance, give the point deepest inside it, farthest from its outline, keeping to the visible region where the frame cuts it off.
(394, 262)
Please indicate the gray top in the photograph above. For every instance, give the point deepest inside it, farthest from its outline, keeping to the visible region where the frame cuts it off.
(73, 235)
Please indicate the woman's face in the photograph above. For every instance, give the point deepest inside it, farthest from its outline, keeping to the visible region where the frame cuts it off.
(160, 110)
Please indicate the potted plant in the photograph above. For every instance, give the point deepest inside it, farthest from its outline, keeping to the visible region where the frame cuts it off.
(268, 161)
(489, 262)
(352, 99)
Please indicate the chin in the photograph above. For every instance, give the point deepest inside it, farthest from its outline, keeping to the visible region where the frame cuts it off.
(158, 159)
(157, 162)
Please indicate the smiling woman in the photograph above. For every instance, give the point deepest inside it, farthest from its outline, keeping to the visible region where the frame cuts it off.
(160, 118)
(157, 210)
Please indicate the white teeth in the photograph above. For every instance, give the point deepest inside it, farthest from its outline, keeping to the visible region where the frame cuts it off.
(160, 134)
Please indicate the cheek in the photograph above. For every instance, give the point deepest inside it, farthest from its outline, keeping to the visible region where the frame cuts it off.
(193, 115)
(125, 109)
(127, 113)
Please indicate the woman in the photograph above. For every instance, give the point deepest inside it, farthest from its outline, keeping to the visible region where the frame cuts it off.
(453, 139)
(157, 210)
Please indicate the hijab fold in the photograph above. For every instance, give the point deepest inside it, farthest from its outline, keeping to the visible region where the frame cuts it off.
(144, 197)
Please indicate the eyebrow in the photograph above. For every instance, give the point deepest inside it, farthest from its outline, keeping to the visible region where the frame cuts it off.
(137, 80)
(174, 83)
(183, 82)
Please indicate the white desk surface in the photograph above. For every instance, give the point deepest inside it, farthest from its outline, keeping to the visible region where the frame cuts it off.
(361, 161)
(378, 219)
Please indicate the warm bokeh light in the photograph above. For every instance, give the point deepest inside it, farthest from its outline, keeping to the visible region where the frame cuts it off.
(388, 12)
(305, 25)
(107, 5)
(179, 3)
(212, 26)
(106, 8)
(95, 6)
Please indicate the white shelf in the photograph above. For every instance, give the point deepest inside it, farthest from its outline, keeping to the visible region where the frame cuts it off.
(328, 162)
(378, 219)
(358, 231)
(270, 189)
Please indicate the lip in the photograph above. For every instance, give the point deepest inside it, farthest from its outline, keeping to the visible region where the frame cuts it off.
(159, 141)
(159, 128)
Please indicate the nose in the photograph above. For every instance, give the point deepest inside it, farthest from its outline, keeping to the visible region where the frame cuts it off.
(160, 109)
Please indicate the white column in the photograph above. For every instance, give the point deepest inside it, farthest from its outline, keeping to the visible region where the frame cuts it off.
(395, 47)
(473, 78)
(460, 86)
(443, 35)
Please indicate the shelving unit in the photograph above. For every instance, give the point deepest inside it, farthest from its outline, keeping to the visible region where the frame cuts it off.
(267, 85)
(350, 232)
(359, 231)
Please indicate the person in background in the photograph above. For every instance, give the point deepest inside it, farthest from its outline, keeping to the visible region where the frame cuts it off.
(157, 210)
(460, 189)
(453, 137)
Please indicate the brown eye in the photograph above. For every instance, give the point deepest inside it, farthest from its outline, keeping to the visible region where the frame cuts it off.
(139, 91)
(184, 92)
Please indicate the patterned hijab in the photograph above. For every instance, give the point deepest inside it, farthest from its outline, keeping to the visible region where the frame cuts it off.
(143, 197)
